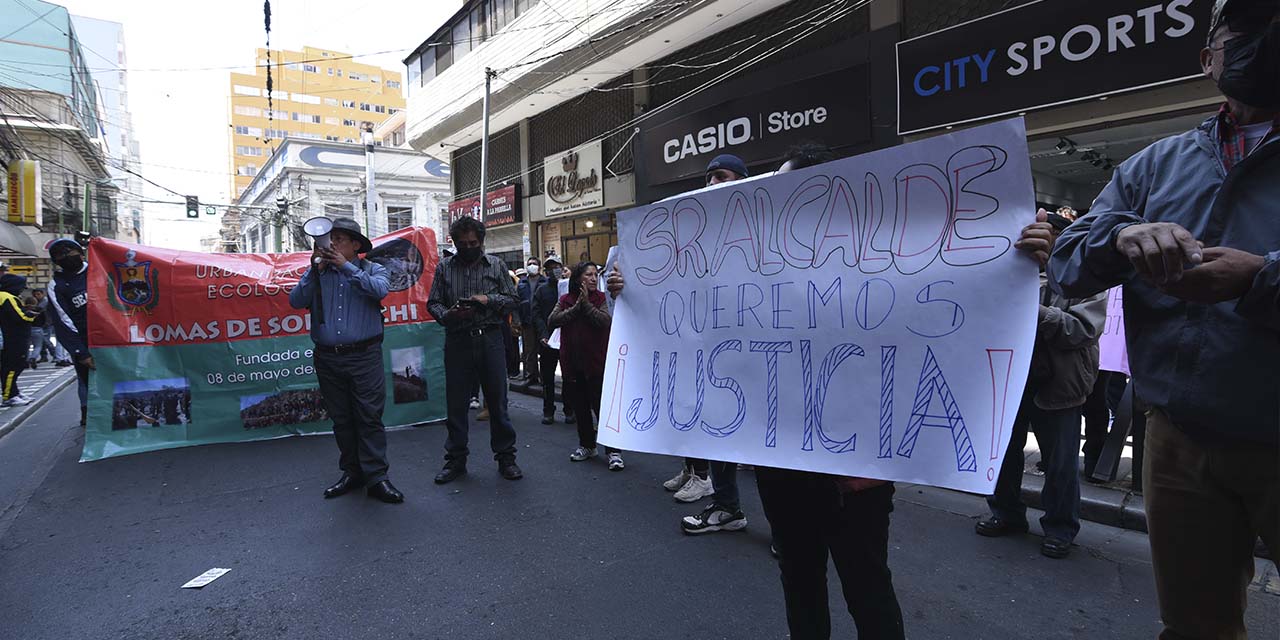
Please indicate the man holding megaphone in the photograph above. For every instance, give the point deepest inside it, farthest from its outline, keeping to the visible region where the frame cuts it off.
(344, 293)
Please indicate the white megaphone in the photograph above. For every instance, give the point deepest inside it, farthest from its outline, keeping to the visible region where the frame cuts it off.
(318, 228)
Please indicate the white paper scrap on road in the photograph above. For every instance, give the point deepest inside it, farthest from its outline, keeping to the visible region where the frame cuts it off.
(867, 317)
(205, 578)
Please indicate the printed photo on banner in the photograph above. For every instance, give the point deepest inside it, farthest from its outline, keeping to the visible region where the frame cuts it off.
(408, 378)
(151, 403)
(283, 408)
(865, 317)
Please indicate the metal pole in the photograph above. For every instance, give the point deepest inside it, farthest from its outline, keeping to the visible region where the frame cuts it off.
(370, 196)
(484, 149)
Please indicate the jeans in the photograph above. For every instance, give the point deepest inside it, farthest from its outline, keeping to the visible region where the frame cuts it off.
(810, 518)
(1097, 417)
(39, 343)
(469, 359)
(1058, 433)
(547, 360)
(354, 389)
(586, 402)
(724, 480)
(529, 348)
(1205, 507)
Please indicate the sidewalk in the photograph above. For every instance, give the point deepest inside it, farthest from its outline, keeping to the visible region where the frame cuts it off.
(40, 385)
(1113, 504)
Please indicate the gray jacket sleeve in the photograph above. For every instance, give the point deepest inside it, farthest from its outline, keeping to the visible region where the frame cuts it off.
(1079, 326)
(1261, 303)
(1085, 260)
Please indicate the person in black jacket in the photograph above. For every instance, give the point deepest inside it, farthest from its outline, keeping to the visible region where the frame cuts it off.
(545, 297)
(15, 323)
(69, 301)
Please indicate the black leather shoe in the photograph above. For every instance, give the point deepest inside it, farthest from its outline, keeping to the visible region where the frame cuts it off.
(343, 485)
(995, 527)
(386, 492)
(510, 470)
(548, 419)
(451, 472)
(569, 420)
(1055, 548)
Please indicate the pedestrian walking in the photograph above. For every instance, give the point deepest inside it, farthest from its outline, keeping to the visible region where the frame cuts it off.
(1188, 226)
(69, 301)
(1064, 365)
(582, 316)
(471, 296)
(344, 293)
(545, 298)
(41, 330)
(15, 324)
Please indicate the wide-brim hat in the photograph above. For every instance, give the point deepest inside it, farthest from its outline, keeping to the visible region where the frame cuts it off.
(349, 226)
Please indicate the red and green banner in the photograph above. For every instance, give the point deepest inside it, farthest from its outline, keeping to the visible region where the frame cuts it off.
(199, 348)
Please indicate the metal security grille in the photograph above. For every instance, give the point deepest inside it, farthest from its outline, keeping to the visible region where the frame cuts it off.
(504, 163)
(724, 51)
(580, 120)
(926, 16)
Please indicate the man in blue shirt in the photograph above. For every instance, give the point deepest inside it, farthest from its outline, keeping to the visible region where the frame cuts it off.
(344, 293)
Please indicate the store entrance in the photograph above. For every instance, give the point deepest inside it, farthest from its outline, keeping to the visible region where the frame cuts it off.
(1071, 168)
(588, 238)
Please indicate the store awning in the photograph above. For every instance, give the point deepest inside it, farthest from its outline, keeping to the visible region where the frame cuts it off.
(15, 243)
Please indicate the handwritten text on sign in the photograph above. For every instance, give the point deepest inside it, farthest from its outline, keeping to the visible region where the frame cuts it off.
(865, 317)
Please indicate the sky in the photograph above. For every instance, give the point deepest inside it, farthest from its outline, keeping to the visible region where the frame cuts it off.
(180, 117)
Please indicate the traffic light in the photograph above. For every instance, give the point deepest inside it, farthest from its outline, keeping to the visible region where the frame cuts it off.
(282, 207)
(193, 207)
(210, 211)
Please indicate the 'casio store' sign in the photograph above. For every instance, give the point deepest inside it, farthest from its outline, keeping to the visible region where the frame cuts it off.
(760, 126)
(1046, 53)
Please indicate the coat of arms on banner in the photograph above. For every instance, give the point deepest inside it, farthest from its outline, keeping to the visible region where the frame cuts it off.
(135, 285)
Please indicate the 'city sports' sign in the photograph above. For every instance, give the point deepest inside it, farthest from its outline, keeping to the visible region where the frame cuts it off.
(198, 348)
(866, 317)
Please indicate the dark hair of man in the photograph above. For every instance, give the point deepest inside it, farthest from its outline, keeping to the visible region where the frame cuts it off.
(808, 154)
(575, 276)
(465, 225)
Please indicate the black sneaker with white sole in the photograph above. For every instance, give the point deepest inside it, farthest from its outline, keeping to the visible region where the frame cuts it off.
(714, 518)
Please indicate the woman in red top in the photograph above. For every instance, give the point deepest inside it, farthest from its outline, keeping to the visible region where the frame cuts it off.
(583, 318)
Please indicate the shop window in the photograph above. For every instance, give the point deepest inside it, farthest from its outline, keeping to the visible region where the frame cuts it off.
(399, 218)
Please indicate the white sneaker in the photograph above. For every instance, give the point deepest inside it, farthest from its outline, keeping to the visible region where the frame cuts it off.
(582, 453)
(695, 489)
(16, 401)
(23, 396)
(680, 479)
(475, 403)
(615, 462)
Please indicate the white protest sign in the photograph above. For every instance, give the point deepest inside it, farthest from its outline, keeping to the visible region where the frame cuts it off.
(866, 317)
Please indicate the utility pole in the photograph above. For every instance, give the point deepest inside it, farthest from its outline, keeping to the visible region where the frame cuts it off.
(282, 217)
(370, 196)
(484, 148)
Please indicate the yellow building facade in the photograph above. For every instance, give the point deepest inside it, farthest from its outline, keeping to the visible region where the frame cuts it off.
(317, 94)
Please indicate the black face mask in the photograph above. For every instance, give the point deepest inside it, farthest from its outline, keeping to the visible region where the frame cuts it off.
(470, 254)
(1251, 68)
(70, 264)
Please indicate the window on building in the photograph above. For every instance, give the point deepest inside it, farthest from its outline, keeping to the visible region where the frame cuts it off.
(461, 38)
(279, 115)
(348, 122)
(246, 91)
(329, 70)
(247, 170)
(332, 102)
(375, 79)
(308, 136)
(339, 73)
(350, 104)
(377, 108)
(242, 110)
(391, 111)
(364, 106)
(355, 76)
(524, 5)
(500, 13)
(444, 57)
(415, 71)
(333, 210)
(331, 138)
(332, 120)
(324, 54)
(291, 65)
(399, 218)
(479, 24)
(242, 150)
(393, 84)
(306, 99)
(310, 68)
(348, 140)
(280, 95)
(427, 67)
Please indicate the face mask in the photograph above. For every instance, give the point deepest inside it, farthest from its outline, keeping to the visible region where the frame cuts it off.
(470, 254)
(1251, 68)
(532, 270)
(70, 264)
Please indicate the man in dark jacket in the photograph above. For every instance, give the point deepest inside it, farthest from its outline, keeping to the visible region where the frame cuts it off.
(1189, 227)
(69, 302)
(543, 302)
(15, 323)
(1064, 364)
(529, 340)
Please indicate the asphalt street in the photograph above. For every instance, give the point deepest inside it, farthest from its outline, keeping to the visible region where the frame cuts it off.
(99, 550)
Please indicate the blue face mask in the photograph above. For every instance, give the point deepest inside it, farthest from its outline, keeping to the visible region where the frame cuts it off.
(1251, 68)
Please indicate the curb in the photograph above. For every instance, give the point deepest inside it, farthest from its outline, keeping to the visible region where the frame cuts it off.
(1123, 509)
(35, 405)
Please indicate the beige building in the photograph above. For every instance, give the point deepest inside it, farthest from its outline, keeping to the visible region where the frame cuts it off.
(317, 94)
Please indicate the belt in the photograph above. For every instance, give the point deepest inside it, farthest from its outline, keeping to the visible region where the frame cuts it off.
(349, 348)
(476, 332)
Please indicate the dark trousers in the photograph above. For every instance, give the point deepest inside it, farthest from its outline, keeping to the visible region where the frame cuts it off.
(13, 361)
(586, 402)
(82, 390)
(467, 360)
(812, 518)
(529, 347)
(512, 351)
(547, 359)
(724, 480)
(353, 385)
(1097, 417)
(1058, 433)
